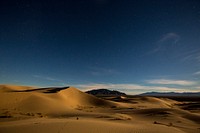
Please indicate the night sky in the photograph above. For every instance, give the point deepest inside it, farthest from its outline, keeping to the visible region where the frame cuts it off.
(130, 45)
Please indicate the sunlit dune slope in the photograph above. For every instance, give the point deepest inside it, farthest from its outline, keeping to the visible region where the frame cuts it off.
(83, 126)
(157, 102)
(38, 100)
(10, 88)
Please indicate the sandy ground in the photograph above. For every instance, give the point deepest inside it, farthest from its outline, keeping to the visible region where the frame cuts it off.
(68, 110)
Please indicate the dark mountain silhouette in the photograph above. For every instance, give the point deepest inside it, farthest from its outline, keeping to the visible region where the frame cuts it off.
(189, 94)
(105, 92)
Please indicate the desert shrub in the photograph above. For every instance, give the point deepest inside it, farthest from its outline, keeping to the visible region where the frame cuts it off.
(170, 124)
(155, 122)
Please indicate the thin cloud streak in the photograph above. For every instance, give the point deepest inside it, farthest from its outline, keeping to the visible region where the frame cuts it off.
(196, 73)
(96, 71)
(46, 78)
(170, 36)
(161, 45)
(193, 55)
(171, 82)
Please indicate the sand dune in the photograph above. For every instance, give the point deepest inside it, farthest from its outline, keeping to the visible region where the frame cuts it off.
(9, 88)
(20, 100)
(67, 109)
(75, 97)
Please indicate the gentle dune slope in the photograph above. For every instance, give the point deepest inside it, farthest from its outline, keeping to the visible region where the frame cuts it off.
(41, 103)
(9, 88)
(82, 126)
(154, 102)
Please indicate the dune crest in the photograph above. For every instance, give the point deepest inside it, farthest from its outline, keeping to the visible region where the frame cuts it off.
(76, 97)
(10, 88)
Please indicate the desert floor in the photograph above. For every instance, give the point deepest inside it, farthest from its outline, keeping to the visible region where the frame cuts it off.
(68, 110)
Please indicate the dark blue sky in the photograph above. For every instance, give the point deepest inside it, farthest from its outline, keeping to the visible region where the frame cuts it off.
(131, 45)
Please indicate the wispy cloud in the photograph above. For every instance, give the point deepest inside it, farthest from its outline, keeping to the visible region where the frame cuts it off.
(46, 78)
(166, 40)
(97, 71)
(132, 88)
(170, 36)
(191, 55)
(171, 82)
(196, 73)
(197, 87)
(198, 57)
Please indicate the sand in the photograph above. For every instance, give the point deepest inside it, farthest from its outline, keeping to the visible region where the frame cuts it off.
(29, 109)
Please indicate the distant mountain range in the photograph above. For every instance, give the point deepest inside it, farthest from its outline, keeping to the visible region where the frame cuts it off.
(170, 94)
(105, 92)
